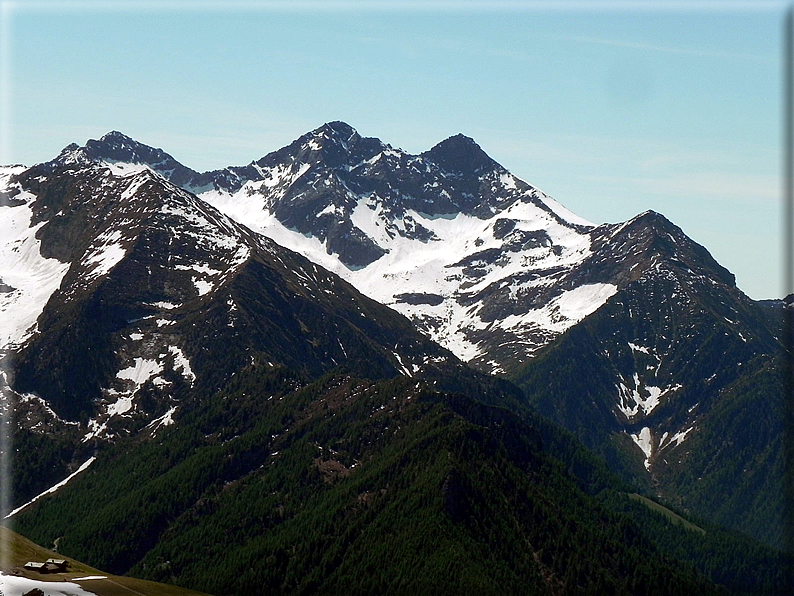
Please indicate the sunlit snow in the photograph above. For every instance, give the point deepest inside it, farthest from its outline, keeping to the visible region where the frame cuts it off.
(181, 363)
(637, 348)
(31, 278)
(105, 254)
(120, 168)
(163, 421)
(54, 488)
(644, 440)
(165, 305)
(140, 372)
(680, 436)
(12, 585)
(429, 267)
(203, 287)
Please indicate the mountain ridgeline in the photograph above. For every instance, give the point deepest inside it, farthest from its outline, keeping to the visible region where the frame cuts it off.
(343, 367)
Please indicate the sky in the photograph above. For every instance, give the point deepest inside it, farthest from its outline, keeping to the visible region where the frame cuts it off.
(613, 108)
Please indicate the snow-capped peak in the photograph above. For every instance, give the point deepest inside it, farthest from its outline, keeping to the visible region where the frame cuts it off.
(442, 237)
(449, 237)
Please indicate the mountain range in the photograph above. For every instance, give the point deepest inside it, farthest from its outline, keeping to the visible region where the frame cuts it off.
(350, 343)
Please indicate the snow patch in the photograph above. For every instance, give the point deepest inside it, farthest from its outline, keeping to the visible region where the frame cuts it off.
(103, 258)
(13, 585)
(165, 305)
(54, 488)
(632, 400)
(680, 436)
(136, 181)
(508, 181)
(563, 311)
(32, 397)
(140, 372)
(199, 268)
(163, 421)
(203, 287)
(576, 304)
(644, 440)
(636, 348)
(121, 406)
(332, 209)
(181, 363)
(32, 277)
(124, 169)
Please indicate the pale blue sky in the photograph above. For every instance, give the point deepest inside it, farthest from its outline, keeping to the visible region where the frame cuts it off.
(612, 108)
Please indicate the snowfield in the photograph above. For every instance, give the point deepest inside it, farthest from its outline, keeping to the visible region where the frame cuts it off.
(442, 266)
(27, 280)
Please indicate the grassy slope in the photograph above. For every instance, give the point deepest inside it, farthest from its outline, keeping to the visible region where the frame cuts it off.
(18, 550)
(673, 517)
